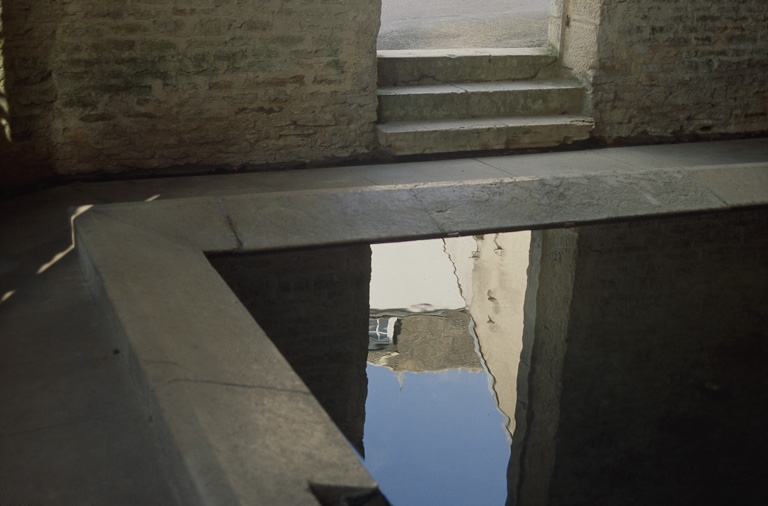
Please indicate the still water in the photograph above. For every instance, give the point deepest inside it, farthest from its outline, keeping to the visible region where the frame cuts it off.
(622, 363)
(440, 430)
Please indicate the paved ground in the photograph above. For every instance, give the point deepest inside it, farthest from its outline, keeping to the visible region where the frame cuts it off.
(440, 24)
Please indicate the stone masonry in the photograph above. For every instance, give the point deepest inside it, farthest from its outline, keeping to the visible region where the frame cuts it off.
(661, 69)
(156, 85)
(110, 85)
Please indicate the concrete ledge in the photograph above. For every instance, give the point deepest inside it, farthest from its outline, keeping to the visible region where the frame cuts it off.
(236, 424)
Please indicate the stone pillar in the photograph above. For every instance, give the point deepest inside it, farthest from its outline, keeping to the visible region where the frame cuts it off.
(313, 304)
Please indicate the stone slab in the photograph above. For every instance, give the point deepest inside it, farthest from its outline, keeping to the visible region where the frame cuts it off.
(268, 444)
(559, 164)
(420, 172)
(299, 219)
(477, 100)
(175, 219)
(211, 378)
(739, 185)
(689, 154)
(555, 201)
(430, 66)
(481, 134)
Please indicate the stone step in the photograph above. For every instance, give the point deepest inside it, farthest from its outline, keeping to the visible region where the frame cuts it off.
(479, 100)
(482, 134)
(433, 66)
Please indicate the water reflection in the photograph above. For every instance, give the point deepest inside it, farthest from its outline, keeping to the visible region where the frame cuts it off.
(631, 359)
(436, 431)
(435, 437)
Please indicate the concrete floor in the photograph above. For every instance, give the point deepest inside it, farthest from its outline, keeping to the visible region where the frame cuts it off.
(72, 431)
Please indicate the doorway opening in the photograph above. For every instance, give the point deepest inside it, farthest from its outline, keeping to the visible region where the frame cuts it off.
(449, 24)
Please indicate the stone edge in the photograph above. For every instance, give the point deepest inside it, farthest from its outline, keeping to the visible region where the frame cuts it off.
(198, 467)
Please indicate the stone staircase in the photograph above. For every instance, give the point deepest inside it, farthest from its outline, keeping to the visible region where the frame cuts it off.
(445, 101)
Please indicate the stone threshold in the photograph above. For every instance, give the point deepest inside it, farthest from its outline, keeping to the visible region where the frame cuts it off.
(235, 423)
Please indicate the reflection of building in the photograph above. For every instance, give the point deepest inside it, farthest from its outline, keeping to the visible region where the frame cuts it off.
(431, 343)
(498, 284)
(485, 275)
(381, 333)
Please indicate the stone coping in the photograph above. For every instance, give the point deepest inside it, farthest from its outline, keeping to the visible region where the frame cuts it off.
(235, 423)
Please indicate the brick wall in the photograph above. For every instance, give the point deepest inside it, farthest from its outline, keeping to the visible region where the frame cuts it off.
(663, 69)
(154, 83)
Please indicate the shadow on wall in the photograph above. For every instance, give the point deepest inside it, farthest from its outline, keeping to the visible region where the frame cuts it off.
(27, 93)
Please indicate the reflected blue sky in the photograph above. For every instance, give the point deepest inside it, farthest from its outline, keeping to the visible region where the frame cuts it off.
(435, 438)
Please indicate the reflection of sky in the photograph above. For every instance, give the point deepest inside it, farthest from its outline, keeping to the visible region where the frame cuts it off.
(439, 440)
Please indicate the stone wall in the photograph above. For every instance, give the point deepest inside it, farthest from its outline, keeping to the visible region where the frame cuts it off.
(110, 85)
(27, 91)
(148, 85)
(656, 382)
(660, 69)
(313, 304)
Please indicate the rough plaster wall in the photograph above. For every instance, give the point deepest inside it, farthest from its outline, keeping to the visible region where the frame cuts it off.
(671, 69)
(137, 84)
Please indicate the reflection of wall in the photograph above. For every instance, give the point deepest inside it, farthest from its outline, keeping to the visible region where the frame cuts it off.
(431, 343)
(653, 368)
(498, 289)
(547, 299)
(313, 304)
(677, 398)
(414, 275)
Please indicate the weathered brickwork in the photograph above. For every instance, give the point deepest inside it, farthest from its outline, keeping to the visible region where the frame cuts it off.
(158, 83)
(672, 69)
